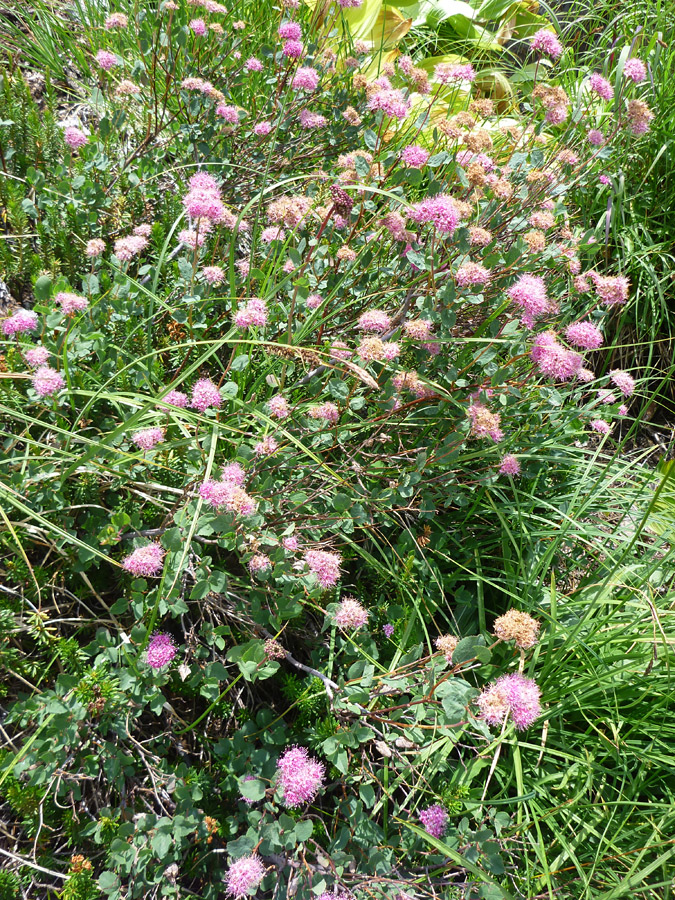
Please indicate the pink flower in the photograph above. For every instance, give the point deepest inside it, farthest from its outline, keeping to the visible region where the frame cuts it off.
(71, 303)
(205, 394)
(601, 86)
(448, 73)
(106, 59)
(327, 411)
(309, 120)
(147, 438)
(440, 211)
(391, 101)
(624, 381)
(325, 565)
(513, 695)
(233, 473)
(290, 543)
(338, 350)
(75, 138)
(145, 561)
(244, 875)
(176, 398)
(213, 275)
(603, 179)
(509, 465)
(435, 820)
(36, 356)
(290, 31)
(272, 233)
(388, 629)
(314, 301)
(415, 156)
(293, 49)
(554, 360)
(128, 247)
(262, 128)
(259, 563)
(306, 78)
(350, 614)
(375, 320)
(418, 329)
(595, 137)
(229, 114)
(299, 776)
(161, 651)
(253, 314)
(471, 273)
(484, 423)
(601, 426)
(278, 407)
(584, 335)
(635, 69)
(546, 42)
(623, 410)
(266, 447)
(612, 290)
(47, 381)
(116, 20)
(198, 26)
(20, 322)
(95, 247)
(529, 292)
(253, 64)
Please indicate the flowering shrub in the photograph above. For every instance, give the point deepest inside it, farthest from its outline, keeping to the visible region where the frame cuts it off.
(299, 313)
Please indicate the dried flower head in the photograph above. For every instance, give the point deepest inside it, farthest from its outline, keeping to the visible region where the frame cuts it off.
(519, 627)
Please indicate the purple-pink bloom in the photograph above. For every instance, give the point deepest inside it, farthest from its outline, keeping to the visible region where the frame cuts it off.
(624, 381)
(262, 128)
(309, 120)
(148, 438)
(106, 59)
(144, 561)
(601, 426)
(278, 407)
(595, 137)
(214, 275)
(176, 398)
(299, 776)
(529, 293)
(36, 356)
(306, 78)
(95, 247)
(635, 69)
(244, 875)
(229, 114)
(546, 42)
(74, 137)
(435, 820)
(253, 64)
(71, 303)
(290, 31)
(554, 360)
(205, 394)
(388, 629)
(161, 651)
(509, 465)
(440, 211)
(391, 101)
(47, 381)
(252, 314)
(293, 49)
(448, 73)
(327, 411)
(513, 695)
(415, 156)
(351, 614)
(601, 86)
(259, 563)
(584, 335)
(325, 566)
(198, 27)
(20, 322)
(375, 320)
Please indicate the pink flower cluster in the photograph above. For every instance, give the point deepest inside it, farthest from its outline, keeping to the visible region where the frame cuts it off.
(435, 820)
(244, 875)
(203, 200)
(325, 566)
(252, 314)
(509, 465)
(74, 137)
(484, 423)
(391, 101)
(148, 438)
(374, 320)
(601, 86)
(20, 322)
(161, 651)
(612, 290)
(449, 73)
(529, 293)
(145, 561)
(350, 614)
(47, 381)
(553, 359)
(106, 59)
(278, 407)
(440, 211)
(36, 356)
(584, 335)
(299, 776)
(546, 42)
(415, 156)
(470, 274)
(306, 79)
(205, 394)
(513, 695)
(71, 303)
(229, 493)
(327, 411)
